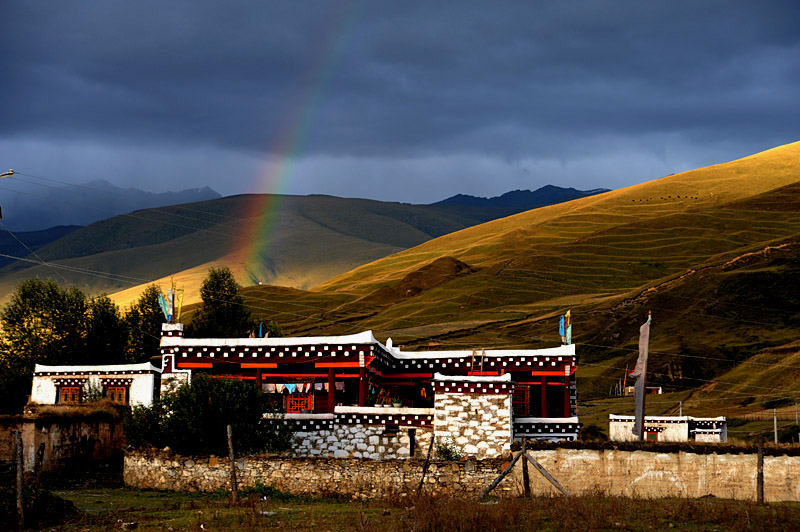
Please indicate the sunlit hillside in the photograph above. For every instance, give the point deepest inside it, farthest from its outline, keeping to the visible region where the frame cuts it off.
(712, 252)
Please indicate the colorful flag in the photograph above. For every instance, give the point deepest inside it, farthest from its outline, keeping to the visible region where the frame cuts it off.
(640, 374)
(162, 302)
(569, 334)
(178, 304)
(568, 316)
(561, 331)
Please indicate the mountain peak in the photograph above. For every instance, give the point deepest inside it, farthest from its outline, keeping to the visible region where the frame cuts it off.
(526, 199)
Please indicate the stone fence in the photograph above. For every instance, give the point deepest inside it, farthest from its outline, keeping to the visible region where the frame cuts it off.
(581, 471)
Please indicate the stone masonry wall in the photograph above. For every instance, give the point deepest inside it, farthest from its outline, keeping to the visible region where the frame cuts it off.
(71, 443)
(362, 441)
(356, 478)
(479, 424)
(621, 473)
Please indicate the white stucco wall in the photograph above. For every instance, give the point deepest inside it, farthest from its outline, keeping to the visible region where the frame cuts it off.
(143, 380)
(620, 430)
(673, 429)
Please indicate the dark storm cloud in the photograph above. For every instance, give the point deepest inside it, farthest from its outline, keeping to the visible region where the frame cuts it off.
(403, 82)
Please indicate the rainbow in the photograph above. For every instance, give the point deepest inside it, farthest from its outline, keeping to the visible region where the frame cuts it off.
(262, 211)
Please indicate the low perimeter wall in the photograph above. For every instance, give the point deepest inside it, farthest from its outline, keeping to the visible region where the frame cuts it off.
(74, 443)
(635, 474)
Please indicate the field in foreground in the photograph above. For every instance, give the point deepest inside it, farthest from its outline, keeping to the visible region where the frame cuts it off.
(105, 509)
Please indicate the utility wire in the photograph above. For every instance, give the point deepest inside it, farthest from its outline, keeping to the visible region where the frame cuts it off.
(32, 252)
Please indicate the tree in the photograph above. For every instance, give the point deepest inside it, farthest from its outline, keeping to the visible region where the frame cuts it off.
(46, 324)
(223, 313)
(144, 320)
(106, 340)
(193, 419)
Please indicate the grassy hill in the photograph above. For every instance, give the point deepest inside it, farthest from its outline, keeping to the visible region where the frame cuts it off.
(313, 238)
(712, 252)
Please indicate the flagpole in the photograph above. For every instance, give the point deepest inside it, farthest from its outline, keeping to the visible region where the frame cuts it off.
(644, 402)
(644, 384)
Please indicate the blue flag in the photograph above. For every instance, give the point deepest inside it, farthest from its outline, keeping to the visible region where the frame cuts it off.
(162, 302)
(561, 332)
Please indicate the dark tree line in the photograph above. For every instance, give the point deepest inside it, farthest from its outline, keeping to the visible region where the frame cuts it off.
(47, 324)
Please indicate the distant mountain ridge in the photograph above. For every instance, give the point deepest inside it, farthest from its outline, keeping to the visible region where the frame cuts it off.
(40, 206)
(523, 199)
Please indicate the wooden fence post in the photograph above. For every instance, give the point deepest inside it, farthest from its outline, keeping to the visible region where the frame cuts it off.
(233, 466)
(20, 472)
(427, 463)
(37, 468)
(526, 479)
(547, 475)
(760, 479)
(502, 475)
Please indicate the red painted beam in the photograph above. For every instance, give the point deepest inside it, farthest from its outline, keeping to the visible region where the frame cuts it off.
(195, 365)
(320, 375)
(406, 375)
(259, 365)
(548, 373)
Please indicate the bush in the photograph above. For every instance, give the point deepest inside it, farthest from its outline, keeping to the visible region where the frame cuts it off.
(193, 420)
(446, 449)
(593, 433)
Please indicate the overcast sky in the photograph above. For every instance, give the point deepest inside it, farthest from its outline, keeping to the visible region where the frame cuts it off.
(407, 101)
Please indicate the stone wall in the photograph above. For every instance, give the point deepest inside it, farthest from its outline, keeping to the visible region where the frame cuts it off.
(655, 475)
(70, 443)
(362, 441)
(478, 423)
(622, 473)
(356, 478)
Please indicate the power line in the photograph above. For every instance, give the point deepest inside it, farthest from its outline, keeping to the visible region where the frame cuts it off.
(31, 251)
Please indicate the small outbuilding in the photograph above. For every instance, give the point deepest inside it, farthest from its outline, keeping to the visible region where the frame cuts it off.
(126, 384)
(670, 428)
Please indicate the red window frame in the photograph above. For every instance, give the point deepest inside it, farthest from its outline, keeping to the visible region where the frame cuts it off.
(297, 402)
(117, 394)
(70, 395)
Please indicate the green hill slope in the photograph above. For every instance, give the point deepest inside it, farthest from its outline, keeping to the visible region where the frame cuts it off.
(313, 238)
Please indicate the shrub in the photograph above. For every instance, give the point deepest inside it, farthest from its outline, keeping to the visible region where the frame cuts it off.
(193, 419)
(592, 433)
(446, 449)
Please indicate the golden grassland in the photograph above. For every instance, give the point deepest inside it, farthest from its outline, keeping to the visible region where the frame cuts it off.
(713, 253)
